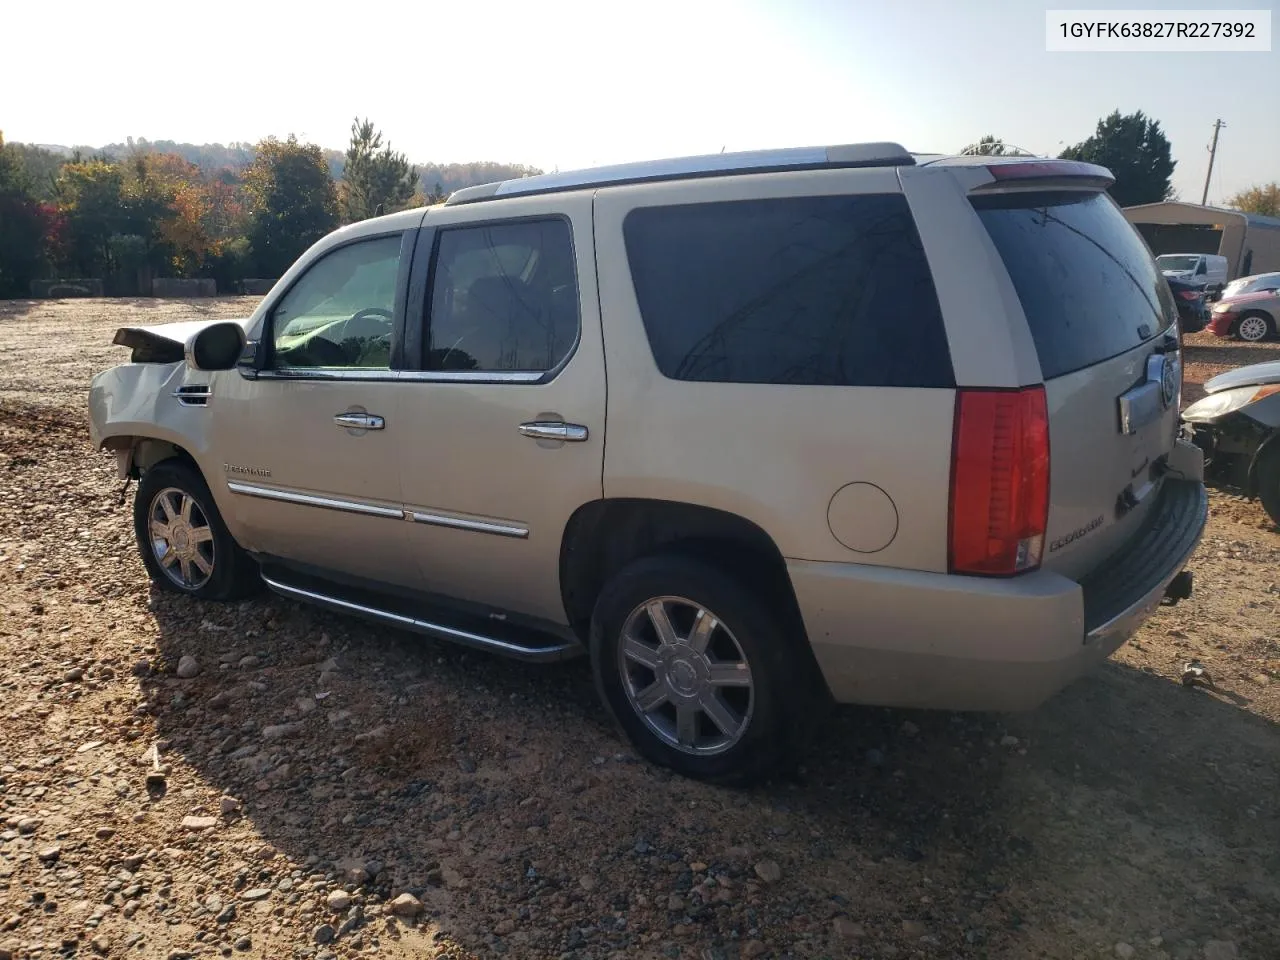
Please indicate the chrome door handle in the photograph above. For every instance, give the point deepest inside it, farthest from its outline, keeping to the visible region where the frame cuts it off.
(359, 421)
(553, 430)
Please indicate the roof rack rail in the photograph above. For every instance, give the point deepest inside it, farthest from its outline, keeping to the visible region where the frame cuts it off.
(683, 168)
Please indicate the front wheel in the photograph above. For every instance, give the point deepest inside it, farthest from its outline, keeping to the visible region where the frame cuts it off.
(185, 546)
(701, 676)
(1254, 327)
(1269, 481)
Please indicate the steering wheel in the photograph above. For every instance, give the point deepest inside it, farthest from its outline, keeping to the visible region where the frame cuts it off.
(365, 314)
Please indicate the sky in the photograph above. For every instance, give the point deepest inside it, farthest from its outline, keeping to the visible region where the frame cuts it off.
(562, 84)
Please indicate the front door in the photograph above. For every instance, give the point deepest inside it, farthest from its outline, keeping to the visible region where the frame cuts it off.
(309, 448)
(504, 420)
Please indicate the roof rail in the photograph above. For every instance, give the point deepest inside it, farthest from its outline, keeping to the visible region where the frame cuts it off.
(683, 168)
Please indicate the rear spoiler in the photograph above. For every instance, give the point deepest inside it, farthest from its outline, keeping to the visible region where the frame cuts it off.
(1045, 173)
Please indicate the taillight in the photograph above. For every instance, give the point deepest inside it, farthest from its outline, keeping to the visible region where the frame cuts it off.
(999, 481)
(1190, 295)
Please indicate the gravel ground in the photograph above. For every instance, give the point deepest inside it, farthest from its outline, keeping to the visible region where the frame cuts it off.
(309, 786)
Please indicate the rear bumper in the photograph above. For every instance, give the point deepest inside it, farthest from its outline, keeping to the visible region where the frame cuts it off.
(911, 639)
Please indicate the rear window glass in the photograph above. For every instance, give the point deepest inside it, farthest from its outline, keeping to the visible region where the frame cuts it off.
(809, 290)
(1088, 284)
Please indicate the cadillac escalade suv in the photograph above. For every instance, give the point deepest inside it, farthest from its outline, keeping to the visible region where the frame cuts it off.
(755, 432)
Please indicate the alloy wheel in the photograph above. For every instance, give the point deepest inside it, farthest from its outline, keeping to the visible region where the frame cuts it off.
(181, 538)
(686, 676)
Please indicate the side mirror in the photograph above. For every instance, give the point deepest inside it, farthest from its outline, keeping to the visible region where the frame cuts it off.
(217, 347)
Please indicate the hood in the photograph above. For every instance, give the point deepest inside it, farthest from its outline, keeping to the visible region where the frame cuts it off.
(165, 342)
(1247, 297)
(1255, 374)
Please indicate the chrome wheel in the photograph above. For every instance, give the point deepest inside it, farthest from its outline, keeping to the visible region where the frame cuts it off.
(686, 676)
(1252, 329)
(181, 538)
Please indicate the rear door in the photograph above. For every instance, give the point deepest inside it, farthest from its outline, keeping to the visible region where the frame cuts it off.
(1103, 322)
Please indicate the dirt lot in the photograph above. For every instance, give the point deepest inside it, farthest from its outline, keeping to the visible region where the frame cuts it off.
(318, 769)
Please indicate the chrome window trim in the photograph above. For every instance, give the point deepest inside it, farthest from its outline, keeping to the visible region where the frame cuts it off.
(474, 376)
(407, 376)
(495, 527)
(314, 500)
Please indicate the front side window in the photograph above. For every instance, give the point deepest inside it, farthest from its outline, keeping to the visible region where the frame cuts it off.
(828, 290)
(504, 298)
(342, 311)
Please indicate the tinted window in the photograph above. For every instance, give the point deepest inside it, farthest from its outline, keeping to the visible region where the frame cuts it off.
(1086, 280)
(504, 298)
(340, 313)
(812, 290)
(799, 291)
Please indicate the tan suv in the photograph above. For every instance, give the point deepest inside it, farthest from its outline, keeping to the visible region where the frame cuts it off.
(753, 430)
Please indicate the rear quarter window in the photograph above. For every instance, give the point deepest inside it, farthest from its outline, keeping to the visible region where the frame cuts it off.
(1087, 282)
(812, 290)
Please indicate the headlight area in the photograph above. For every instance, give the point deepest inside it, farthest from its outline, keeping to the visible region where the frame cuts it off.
(1217, 405)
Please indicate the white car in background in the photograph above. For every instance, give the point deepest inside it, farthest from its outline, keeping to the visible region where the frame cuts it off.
(1203, 269)
(1254, 284)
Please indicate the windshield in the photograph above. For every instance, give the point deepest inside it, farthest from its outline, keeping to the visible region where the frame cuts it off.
(1177, 262)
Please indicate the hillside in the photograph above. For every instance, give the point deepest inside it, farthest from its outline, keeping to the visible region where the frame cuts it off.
(212, 157)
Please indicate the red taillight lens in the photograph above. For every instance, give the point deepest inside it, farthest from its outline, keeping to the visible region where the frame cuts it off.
(1189, 295)
(999, 481)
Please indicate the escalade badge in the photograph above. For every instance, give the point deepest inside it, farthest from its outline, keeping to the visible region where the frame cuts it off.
(247, 471)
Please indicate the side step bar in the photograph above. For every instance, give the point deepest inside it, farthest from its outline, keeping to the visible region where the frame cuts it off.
(551, 648)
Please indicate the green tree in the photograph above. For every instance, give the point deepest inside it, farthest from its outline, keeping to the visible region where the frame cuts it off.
(988, 146)
(90, 196)
(1263, 199)
(375, 179)
(42, 168)
(292, 202)
(22, 225)
(1136, 151)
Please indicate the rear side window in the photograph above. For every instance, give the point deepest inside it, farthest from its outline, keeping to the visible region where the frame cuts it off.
(504, 298)
(810, 290)
(1087, 282)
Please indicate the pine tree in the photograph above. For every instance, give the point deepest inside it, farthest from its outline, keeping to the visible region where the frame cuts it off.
(375, 179)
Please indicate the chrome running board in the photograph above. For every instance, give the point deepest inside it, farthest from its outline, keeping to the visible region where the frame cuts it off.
(554, 648)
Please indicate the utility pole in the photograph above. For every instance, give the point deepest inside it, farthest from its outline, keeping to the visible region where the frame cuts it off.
(1213, 152)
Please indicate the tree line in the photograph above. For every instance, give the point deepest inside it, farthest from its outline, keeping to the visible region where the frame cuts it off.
(152, 210)
(1136, 151)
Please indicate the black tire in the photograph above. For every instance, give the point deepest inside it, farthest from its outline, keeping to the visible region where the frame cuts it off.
(1266, 318)
(233, 574)
(1269, 481)
(778, 690)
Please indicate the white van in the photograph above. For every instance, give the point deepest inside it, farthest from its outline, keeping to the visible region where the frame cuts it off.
(1206, 269)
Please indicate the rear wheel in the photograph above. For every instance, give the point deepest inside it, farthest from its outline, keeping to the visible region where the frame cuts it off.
(184, 544)
(699, 674)
(1254, 327)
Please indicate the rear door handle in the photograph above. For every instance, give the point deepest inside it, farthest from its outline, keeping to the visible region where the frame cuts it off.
(359, 421)
(554, 430)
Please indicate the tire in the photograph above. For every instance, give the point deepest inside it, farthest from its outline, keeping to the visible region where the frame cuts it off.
(208, 563)
(1254, 332)
(745, 633)
(1269, 481)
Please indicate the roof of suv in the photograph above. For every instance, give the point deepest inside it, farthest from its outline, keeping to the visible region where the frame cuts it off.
(681, 168)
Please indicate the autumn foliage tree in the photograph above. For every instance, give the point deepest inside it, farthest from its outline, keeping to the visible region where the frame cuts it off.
(292, 202)
(1263, 199)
